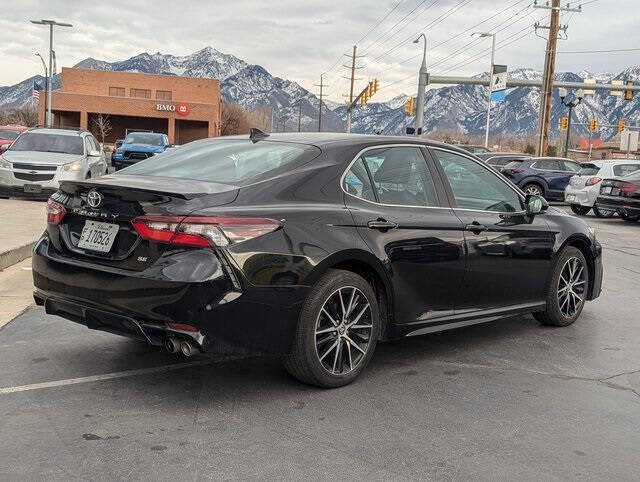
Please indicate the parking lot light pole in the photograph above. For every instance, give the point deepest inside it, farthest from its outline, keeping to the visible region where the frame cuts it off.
(422, 85)
(571, 104)
(493, 52)
(51, 24)
(46, 79)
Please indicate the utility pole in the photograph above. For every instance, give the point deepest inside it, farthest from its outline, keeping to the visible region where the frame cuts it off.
(352, 79)
(46, 81)
(546, 98)
(51, 24)
(321, 85)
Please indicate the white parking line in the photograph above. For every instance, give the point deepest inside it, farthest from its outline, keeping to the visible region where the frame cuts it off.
(106, 376)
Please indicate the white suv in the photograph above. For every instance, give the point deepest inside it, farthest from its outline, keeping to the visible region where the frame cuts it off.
(40, 157)
(583, 188)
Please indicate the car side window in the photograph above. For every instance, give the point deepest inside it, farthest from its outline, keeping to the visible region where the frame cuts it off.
(548, 165)
(620, 170)
(357, 183)
(475, 187)
(571, 166)
(401, 176)
(87, 146)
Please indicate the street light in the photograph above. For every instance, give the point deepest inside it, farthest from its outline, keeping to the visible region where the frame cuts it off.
(46, 79)
(422, 85)
(574, 101)
(493, 51)
(51, 24)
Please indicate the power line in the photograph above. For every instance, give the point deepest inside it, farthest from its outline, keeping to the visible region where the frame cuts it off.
(598, 51)
(452, 38)
(380, 21)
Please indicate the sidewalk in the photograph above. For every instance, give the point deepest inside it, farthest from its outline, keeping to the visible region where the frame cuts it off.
(16, 291)
(22, 223)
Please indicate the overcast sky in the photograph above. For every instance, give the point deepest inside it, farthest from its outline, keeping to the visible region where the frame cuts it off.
(300, 39)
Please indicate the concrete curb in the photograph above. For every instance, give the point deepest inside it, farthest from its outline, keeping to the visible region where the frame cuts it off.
(15, 255)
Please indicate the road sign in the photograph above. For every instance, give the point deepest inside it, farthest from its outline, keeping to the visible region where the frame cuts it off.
(499, 85)
(629, 140)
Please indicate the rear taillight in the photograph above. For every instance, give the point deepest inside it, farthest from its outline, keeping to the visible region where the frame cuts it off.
(628, 187)
(55, 212)
(592, 181)
(202, 231)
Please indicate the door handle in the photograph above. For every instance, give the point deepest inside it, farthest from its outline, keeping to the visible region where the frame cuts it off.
(475, 227)
(381, 224)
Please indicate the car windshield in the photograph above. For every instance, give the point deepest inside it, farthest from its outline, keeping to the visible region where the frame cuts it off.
(64, 144)
(224, 161)
(8, 135)
(147, 139)
(588, 170)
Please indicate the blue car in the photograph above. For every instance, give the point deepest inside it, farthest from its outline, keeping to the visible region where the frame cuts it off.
(138, 146)
(542, 176)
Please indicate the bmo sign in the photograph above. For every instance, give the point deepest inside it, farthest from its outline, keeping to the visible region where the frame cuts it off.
(181, 109)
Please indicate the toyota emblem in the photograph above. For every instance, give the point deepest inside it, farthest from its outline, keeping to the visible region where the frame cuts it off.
(94, 198)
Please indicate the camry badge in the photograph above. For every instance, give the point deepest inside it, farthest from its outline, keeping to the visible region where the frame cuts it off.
(94, 198)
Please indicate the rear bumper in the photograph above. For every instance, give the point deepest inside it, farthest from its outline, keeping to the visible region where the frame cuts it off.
(229, 314)
(631, 206)
(584, 197)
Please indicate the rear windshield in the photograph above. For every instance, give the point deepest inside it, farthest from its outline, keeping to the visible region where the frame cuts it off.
(621, 170)
(146, 139)
(8, 135)
(513, 164)
(60, 143)
(635, 176)
(588, 170)
(224, 161)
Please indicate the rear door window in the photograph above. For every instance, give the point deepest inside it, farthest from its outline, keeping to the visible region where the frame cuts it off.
(620, 170)
(571, 166)
(548, 165)
(401, 176)
(513, 164)
(357, 182)
(588, 170)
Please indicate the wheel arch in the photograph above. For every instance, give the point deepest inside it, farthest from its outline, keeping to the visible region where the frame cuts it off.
(371, 269)
(534, 180)
(584, 245)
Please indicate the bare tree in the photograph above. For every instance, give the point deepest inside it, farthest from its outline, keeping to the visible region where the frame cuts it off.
(260, 118)
(233, 120)
(24, 116)
(101, 126)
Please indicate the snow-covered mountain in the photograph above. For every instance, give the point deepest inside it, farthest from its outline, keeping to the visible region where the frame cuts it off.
(459, 108)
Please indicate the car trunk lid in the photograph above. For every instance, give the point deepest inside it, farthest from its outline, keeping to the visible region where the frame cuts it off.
(110, 201)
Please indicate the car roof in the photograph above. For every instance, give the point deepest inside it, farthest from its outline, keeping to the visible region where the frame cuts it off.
(57, 131)
(330, 139)
(13, 127)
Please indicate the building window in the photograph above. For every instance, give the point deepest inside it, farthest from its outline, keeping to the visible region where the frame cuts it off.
(163, 94)
(116, 91)
(142, 93)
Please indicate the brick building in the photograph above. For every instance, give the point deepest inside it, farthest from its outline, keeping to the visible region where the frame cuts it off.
(183, 108)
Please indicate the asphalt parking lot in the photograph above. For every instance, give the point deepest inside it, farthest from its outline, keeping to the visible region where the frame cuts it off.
(506, 400)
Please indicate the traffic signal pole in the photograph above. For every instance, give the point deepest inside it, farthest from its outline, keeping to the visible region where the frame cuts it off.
(423, 80)
(568, 138)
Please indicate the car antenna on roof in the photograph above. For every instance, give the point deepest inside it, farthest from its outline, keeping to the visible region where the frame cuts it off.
(256, 134)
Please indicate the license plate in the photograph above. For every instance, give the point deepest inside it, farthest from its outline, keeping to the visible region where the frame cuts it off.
(32, 188)
(98, 236)
(571, 197)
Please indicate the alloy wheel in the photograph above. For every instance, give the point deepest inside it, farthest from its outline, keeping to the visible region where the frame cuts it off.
(343, 330)
(533, 190)
(571, 287)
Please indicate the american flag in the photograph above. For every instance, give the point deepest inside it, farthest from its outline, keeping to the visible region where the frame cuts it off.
(35, 95)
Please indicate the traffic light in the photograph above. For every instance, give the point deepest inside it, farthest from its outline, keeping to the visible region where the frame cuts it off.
(564, 123)
(593, 125)
(365, 97)
(376, 85)
(620, 126)
(371, 89)
(628, 94)
(409, 107)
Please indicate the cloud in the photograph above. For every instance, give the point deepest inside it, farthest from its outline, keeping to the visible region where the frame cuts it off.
(299, 39)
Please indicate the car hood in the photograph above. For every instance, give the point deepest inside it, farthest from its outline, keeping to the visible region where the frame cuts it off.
(141, 148)
(36, 157)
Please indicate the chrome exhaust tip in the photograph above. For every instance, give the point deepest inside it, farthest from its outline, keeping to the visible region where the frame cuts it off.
(187, 348)
(172, 345)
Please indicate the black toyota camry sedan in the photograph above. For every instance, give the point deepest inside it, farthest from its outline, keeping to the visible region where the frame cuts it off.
(312, 246)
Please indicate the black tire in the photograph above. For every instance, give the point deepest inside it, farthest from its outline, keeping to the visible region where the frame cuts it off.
(580, 210)
(558, 312)
(305, 362)
(603, 213)
(533, 188)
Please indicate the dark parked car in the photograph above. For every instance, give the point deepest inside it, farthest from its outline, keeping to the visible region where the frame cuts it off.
(542, 176)
(621, 194)
(313, 246)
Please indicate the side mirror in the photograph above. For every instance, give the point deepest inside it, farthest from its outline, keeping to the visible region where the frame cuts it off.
(4, 147)
(535, 204)
(93, 154)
